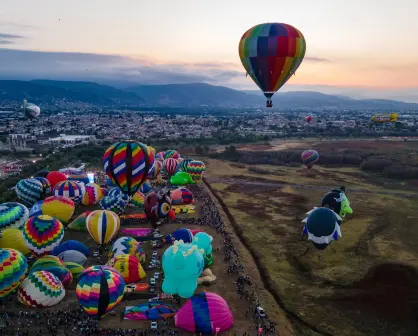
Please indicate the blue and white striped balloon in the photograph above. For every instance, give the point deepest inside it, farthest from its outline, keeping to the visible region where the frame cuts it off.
(29, 191)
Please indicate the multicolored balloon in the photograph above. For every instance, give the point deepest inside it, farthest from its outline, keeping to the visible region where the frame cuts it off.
(45, 184)
(92, 195)
(60, 207)
(181, 178)
(129, 246)
(112, 203)
(137, 200)
(55, 266)
(29, 191)
(181, 196)
(55, 177)
(41, 289)
(337, 201)
(309, 158)
(128, 165)
(117, 192)
(183, 165)
(271, 53)
(13, 215)
(102, 225)
(74, 268)
(146, 187)
(71, 245)
(13, 269)
(79, 224)
(158, 165)
(70, 189)
(206, 313)
(322, 227)
(171, 153)
(36, 209)
(99, 290)
(42, 234)
(196, 170)
(128, 266)
(170, 167)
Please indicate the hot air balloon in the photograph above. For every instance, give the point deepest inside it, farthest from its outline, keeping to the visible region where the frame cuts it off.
(42, 234)
(337, 201)
(158, 165)
(181, 178)
(55, 177)
(92, 195)
(171, 153)
(99, 290)
(196, 170)
(74, 268)
(79, 224)
(206, 313)
(128, 266)
(70, 189)
(71, 245)
(137, 200)
(117, 192)
(129, 246)
(73, 256)
(150, 311)
(102, 225)
(271, 53)
(55, 266)
(13, 268)
(309, 158)
(146, 187)
(60, 207)
(112, 203)
(128, 164)
(29, 191)
(183, 165)
(79, 178)
(36, 209)
(13, 215)
(322, 227)
(308, 119)
(41, 289)
(45, 184)
(170, 167)
(30, 110)
(12, 238)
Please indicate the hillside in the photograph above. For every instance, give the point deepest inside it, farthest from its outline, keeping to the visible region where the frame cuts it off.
(179, 95)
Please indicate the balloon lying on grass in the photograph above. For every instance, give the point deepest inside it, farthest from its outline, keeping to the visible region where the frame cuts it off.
(13, 266)
(71, 245)
(29, 191)
(181, 179)
(13, 215)
(12, 238)
(60, 207)
(55, 266)
(74, 268)
(127, 246)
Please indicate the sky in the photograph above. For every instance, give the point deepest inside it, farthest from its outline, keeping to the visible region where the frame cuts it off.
(360, 48)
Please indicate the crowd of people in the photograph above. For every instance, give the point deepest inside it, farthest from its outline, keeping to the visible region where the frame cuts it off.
(77, 322)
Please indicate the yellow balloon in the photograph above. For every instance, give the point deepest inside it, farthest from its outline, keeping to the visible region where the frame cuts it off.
(13, 238)
(102, 225)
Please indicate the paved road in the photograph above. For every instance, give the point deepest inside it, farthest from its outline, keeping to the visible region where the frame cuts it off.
(304, 186)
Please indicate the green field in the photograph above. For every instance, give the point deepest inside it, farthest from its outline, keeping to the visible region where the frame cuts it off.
(363, 284)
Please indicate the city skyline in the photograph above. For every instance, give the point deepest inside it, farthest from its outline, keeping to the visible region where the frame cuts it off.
(351, 47)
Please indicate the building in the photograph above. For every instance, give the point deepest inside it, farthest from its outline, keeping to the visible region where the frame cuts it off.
(72, 139)
(22, 140)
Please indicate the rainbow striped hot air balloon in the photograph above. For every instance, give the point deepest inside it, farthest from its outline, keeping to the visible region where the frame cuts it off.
(42, 234)
(45, 184)
(29, 191)
(171, 153)
(271, 53)
(99, 290)
(60, 207)
(13, 268)
(137, 200)
(196, 169)
(92, 195)
(13, 215)
(129, 246)
(55, 266)
(102, 225)
(309, 158)
(128, 164)
(41, 289)
(70, 189)
(205, 313)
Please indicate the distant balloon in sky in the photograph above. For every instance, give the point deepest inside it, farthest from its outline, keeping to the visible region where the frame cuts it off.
(31, 111)
(271, 53)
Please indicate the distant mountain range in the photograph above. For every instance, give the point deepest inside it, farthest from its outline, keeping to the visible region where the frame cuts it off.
(179, 95)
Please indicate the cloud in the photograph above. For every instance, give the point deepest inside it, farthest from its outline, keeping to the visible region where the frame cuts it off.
(6, 38)
(15, 25)
(25, 64)
(316, 59)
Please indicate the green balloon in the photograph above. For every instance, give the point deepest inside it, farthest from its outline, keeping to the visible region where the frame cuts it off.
(181, 178)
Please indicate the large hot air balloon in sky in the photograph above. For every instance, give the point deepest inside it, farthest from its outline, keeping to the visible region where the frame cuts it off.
(271, 53)
(128, 164)
(99, 290)
(309, 158)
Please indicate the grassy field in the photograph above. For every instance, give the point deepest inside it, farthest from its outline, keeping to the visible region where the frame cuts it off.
(364, 284)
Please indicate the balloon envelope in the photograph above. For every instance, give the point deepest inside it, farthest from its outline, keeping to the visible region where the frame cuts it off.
(13, 266)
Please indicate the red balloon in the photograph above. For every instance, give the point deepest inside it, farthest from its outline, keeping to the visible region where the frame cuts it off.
(55, 177)
(308, 118)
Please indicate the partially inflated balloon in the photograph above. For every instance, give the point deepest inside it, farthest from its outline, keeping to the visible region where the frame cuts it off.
(36, 209)
(127, 245)
(271, 53)
(60, 207)
(29, 191)
(42, 234)
(55, 266)
(92, 195)
(112, 203)
(45, 184)
(99, 290)
(55, 177)
(41, 289)
(13, 215)
(71, 245)
(79, 224)
(309, 158)
(128, 266)
(181, 179)
(70, 189)
(128, 165)
(74, 268)
(13, 238)
(102, 225)
(13, 268)
(137, 200)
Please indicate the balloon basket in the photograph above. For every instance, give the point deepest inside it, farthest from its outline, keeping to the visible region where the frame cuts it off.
(309, 172)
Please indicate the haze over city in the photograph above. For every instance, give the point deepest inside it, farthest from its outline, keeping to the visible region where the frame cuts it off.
(361, 50)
